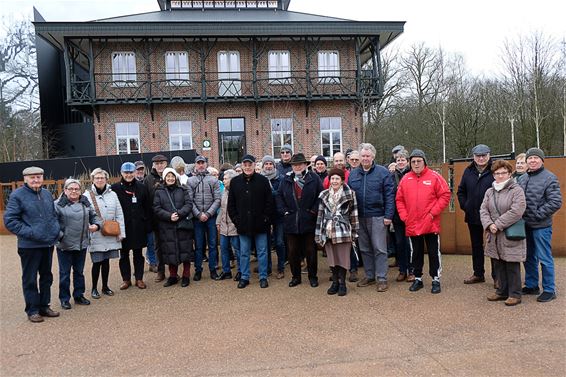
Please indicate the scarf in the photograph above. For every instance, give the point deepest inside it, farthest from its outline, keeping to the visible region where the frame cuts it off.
(499, 186)
(333, 199)
(300, 179)
(269, 174)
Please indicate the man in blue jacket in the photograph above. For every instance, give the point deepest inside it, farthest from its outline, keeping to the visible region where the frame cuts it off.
(477, 178)
(542, 192)
(373, 186)
(30, 215)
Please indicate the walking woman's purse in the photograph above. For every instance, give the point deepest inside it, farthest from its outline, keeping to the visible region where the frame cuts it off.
(515, 232)
(109, 227)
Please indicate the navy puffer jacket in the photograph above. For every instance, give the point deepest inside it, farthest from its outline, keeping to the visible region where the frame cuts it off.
(374, 191)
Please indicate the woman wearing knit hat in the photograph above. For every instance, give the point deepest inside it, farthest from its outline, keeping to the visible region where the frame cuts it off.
(337, 228)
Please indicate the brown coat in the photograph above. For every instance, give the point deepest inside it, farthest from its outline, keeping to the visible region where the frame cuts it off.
(511, 204)
(227, 227)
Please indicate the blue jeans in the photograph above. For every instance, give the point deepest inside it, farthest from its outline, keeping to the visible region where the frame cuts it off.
(279, 240)
(34, 262)
(150, 251)
(76, 260)
(245, 251)
(204, 231)
(539, 251)
(225, 243)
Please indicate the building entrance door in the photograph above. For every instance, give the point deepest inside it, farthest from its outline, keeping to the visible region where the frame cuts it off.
(232, 138)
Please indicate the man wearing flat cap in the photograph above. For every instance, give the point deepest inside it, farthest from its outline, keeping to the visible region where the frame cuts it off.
(152, 180)
(251, 207)
(30, 215)
(544, 199)
(477, 178)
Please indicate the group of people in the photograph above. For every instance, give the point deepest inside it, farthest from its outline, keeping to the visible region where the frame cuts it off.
(354, 212)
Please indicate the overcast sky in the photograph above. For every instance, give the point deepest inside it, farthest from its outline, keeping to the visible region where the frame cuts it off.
(476, 29)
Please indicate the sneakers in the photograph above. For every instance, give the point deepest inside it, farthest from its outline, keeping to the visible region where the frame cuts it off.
(530, 291)
(365, 282)
(474, 279)
(435, 287)
(242, 283)
(496, 297)
(35, 318)
(512, 301)
(417, 284)
(382, 286)
(225, 276)
(48, 312)
(546, 297)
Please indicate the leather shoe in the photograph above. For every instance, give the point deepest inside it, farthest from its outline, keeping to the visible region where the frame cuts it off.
(152, 268)
(126, 284)
(353, 277)
(280, 275)
(238, 276)
(160, 277)
(48, 313)
(401, 277)
(496, 297)
(410, 278)
(512, 301)
(66, 305)
(224, 276)
(294, 282)
(243, 283)
(382, 286)
(185, 282)
(35, 318)
(171, 281)
(81, 300)
(140, 284)
(95, 294)
(263, 283)
(107, 291)
(214, 275)
(314, 282)
(198, 276)
(474, 279)
(365, 282)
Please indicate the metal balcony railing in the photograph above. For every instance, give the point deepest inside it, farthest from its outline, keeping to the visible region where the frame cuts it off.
(154, 87)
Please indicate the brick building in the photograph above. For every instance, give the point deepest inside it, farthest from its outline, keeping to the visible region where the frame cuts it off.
(222, 77)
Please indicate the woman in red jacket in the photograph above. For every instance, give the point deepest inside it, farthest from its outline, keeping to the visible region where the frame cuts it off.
(421, 197)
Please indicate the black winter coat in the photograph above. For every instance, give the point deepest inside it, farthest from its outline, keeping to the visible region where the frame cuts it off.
(176, 244)
(151, 182)
(299, 216)
(397, 175)
(137, 212)
(471, 191)
(251, 204)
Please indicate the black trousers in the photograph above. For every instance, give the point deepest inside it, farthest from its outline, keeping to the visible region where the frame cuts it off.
(299, 246)
(36, 261)
(508, 275)
(126, 269)
(478, 258)
(417, 254)
(158, 252)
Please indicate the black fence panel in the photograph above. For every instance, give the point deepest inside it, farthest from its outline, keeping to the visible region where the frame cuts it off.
(61, 168)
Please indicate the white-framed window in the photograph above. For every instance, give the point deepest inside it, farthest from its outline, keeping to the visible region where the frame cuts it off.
(330, 136)
(281, 134)
(128, 138)
(229, 73)
(124, 68)
(328, 67)
(180, 135)
(177, 67)
(279, 67)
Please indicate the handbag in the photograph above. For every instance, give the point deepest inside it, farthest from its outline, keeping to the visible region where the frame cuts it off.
(109, 227)
(184, 223)
(515, 232)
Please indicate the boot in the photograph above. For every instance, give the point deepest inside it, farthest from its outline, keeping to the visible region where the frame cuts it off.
(334, 286)
(342, 281)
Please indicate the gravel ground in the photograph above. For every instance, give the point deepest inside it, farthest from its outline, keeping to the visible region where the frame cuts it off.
(213, 329)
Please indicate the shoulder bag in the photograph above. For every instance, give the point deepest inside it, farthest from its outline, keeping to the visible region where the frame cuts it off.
(185, 223)
(515, 232)
(109, 227)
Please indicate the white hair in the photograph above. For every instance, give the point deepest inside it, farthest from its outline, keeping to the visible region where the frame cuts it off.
(368, 147)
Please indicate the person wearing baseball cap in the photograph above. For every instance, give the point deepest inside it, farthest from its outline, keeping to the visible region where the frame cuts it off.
(30, 215)
(251, 208)
(140, 170)
(544, 199)
(476, 179)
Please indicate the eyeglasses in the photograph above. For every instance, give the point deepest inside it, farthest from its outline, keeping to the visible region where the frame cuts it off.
(72, 189)
(502, 173)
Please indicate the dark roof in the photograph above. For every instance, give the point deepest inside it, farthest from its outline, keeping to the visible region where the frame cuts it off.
(221, 15)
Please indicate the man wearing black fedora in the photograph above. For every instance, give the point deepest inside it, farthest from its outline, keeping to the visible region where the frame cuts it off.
(298, 203)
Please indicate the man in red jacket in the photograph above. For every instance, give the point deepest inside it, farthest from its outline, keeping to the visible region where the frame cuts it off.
(421, 197)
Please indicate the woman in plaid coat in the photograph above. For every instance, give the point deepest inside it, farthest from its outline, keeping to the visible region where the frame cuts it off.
(337, 228)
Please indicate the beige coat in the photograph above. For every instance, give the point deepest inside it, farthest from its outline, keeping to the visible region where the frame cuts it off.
(511, 204)
(227, 227)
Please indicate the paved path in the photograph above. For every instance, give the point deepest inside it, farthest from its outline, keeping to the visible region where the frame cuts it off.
(213, 329)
